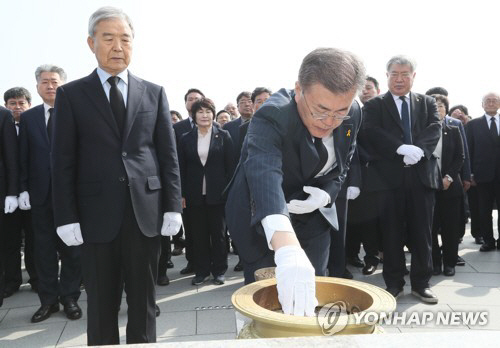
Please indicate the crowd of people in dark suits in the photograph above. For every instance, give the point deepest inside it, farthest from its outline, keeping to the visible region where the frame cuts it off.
(104, 161)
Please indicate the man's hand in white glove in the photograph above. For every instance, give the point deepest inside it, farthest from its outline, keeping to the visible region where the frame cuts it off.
(295, 281)
(409, 161)
(24, 201)
(71, 234)
(10, 204)
(171, 224)
(317, 199)
(412, 152)
(352, 192)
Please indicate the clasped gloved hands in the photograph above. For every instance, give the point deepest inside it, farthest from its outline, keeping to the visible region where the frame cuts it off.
(10, 204)
(317, 199)
(411, 153)
(24, 201)
(71, 234)
(295, 281)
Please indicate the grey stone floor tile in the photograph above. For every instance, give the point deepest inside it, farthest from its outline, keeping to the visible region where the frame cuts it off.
(211, 337)
(232, 284)
(392, 330)
(42, 335)
(22, 298)
(430, 330)
(3, 313)
(486, 267)
(467, 295)
(215, 321)
(74, 334)
(468, 279)
(176, 324)
(192, 301)
(21, 317)
(476, 255)
(493, 315)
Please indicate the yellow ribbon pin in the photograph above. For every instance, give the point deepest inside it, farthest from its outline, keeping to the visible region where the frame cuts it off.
(349, 133)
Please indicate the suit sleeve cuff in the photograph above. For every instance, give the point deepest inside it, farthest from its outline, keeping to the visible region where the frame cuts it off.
(273, 223)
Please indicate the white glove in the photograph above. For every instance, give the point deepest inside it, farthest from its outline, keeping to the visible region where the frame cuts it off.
(71, 234)
(171, 224)
(317, 199)
(295, 281)
(409, 161)
(414, 153)
(352, 192)
(24, 201)
(10, 204)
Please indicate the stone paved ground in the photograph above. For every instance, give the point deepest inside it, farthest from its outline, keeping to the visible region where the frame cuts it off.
(199, 313)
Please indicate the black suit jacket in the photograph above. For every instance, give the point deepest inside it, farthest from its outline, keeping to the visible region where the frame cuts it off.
(181, 128)
(452, 159)
(93, 166)
(9, 157)
(217, 170)
(384, 132)
(34, 149)
(278, 159)
(484, 150)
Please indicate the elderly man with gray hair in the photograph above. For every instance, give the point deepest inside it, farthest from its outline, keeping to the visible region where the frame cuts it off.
(293, 162)
(35, 185)
(402, 129)
(116, 183)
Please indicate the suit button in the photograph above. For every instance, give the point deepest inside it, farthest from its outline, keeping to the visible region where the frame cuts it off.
(121, 179)
(124, 154)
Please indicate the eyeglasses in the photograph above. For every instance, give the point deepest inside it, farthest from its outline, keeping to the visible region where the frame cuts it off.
(322, 117)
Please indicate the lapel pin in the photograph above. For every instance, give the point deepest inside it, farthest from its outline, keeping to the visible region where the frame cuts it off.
(349, 133)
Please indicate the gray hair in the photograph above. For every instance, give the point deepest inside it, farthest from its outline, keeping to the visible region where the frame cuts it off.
(108, 12)
(50, 68)
(337, 70)
(402, 60)
(497, 96)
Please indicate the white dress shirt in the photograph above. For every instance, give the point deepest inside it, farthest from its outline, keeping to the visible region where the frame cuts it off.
(122, 85)
(399, 103)
(203, 148)
(488, 119)
(46, 107)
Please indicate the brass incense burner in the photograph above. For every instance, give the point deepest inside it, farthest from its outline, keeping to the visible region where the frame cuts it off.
(259, 302)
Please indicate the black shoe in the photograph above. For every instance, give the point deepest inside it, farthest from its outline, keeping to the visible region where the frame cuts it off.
(163, 280)
(487, 247)
(197, 280)
(449, 271)
(157, 310)
(238, 267)
(347, 274)
(460, 261)
(176, 251)
(219, 280)
(355, 261)
(479, 240)
(188, 269)
(395, 292)
(436, 270)
(72, 310)
(44, 312)
(425, 295)
(34, 287)
(170, 264)
(369, 269)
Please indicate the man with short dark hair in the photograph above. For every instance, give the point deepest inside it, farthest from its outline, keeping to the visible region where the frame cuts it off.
(293, 162)
(18, 224)
(115, 177)
(370, 90)
(403, 129)
(35, 188)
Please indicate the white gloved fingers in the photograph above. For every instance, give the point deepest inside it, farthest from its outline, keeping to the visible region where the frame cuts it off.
(285, 295)
(70, 234)
(78, 235)
(352, 192)
(172, 222)
(24, 201)
(299, 298)
(10, 204)
(299, 207)
(311, 190)
(311, 301)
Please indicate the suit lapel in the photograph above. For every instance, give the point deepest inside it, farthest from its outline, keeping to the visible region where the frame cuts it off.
(136, 90)
(213, 142)
(98, 97)
(415, 109)
(393, 110)
(40, 120)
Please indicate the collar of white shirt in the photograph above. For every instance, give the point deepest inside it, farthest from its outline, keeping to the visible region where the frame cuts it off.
(396, 97)
(104, 76)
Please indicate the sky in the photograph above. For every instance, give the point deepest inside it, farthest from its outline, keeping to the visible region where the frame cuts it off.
(225, 47)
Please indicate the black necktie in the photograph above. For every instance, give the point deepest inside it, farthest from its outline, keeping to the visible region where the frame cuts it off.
(322, 152)
(117, 103)
(405, 118)
(493, 128)
(49, 123)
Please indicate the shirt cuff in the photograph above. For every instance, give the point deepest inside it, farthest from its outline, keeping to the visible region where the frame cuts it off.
(273, 223)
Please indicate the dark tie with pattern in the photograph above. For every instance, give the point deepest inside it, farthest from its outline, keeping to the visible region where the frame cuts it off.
(322, 152)
(493, 128)
(49, 123)
(117, 103)
(405, 118)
